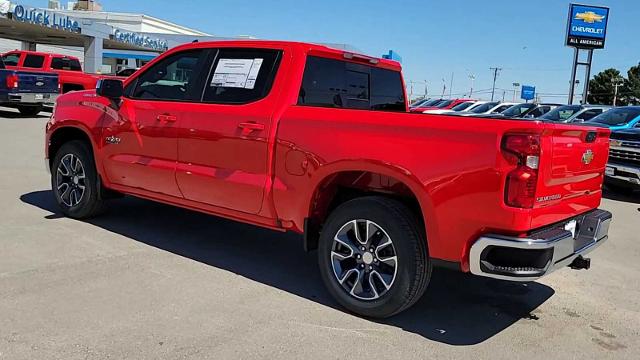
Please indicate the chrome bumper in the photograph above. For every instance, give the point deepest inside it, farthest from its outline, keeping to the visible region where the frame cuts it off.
(528, 259)
(33, 98)
(623, 173)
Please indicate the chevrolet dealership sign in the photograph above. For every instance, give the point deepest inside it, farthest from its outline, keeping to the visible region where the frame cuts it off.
(140, 40)
(587, 26)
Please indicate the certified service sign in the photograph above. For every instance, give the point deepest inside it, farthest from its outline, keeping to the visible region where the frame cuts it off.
(587, 27)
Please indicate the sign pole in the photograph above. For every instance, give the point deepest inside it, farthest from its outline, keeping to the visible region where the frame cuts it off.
(572, 87)
(585, 95)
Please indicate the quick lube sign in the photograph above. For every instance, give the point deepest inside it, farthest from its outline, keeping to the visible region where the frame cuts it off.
(140, 40)
(587, 26)
(44, 18)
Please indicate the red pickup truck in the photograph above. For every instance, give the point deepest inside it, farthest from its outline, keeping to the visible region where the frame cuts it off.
(70, 74)
(305, 138)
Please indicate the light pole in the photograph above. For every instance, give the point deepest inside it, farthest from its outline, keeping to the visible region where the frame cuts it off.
(495, 77)
(515, 90)
(472, 78)
(617, 82)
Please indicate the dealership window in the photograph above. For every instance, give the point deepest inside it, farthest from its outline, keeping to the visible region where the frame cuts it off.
(241, 76)
(33, 61)
(341, 84)
(171, 79)
(64, 63)
(11, 59)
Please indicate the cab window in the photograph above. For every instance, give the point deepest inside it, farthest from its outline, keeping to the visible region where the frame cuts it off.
(173, 78)
(241, 76)
(65, 63)
(33, 61)
(341, 84)
(11, 59)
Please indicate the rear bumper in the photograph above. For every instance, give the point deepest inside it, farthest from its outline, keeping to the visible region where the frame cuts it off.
(623, 173)
(32, 98)
(530, 258)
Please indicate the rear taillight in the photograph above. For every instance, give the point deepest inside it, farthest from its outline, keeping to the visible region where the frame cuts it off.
(12, 81)
(523, 152)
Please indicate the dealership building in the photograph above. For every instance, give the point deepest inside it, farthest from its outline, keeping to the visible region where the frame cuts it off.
(105, 42)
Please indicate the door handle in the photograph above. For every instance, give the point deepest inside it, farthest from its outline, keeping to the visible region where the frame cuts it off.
(249, 127)
(167, 118)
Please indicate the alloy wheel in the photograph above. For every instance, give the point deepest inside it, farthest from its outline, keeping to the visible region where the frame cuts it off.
(70, 180)
(364, 260)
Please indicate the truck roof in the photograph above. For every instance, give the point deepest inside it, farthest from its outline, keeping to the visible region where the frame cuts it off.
(40, 53)
(311, 48)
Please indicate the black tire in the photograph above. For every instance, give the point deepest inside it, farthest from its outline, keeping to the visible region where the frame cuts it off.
(30, 110)
(409, 242)
(90, 202)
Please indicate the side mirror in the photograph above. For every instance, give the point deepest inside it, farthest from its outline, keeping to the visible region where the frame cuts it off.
(110, 88)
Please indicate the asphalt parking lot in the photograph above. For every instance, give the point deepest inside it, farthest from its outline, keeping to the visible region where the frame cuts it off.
(149, 281)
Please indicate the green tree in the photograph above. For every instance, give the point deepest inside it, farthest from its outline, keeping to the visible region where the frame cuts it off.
(631, 88)
(602, 87)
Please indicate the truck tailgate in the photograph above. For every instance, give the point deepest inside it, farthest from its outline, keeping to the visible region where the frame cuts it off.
(571, 175)
(37, 82)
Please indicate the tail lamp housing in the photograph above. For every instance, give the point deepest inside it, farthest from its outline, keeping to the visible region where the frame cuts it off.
(523, 152)
(12, 81)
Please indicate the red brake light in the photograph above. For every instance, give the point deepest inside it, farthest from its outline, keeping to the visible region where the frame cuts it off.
(12, 81)
(522, 151)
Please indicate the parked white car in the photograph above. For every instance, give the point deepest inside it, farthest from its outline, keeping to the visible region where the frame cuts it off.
(489, 107)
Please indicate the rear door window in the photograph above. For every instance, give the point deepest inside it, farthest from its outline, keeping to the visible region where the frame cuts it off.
(341, 84)
(241, 76)
(33, 61)
(65, 63)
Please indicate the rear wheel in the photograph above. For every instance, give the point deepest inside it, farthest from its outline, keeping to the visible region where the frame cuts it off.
(373, 257)
(74, 181)
(30, 110)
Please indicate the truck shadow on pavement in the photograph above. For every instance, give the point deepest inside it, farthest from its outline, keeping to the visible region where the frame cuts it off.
(16, 115)
(457, 309)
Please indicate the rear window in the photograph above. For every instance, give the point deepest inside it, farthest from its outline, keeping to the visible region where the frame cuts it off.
(617, 117)
(562, 113)
(462, 106)
(33, 61)
(63, 63)
(11, 59)
(341, 84)
(518, 110)
(484, 107)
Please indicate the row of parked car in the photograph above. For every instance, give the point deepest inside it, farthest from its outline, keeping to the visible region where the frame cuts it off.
(623, 169)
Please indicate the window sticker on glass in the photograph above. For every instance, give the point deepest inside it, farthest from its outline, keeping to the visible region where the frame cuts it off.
(237, 73)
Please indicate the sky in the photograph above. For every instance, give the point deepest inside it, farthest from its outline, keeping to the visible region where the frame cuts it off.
(435, 38)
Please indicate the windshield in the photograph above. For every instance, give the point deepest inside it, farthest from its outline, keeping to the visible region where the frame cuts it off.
(462, 106)
(617, 117)
(562, 113)
(517, 110)
(484, 107)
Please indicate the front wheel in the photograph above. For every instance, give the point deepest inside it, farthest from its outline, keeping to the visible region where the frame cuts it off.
(74, 181)
(373, 257)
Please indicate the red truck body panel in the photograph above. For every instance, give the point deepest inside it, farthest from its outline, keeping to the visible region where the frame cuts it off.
(68, 79)
(275, 172)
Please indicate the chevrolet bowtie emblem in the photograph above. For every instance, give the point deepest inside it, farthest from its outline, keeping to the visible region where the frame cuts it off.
(587, 157)
(589, 17)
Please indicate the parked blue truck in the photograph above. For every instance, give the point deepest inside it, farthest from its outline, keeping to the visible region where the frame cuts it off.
(27, 91)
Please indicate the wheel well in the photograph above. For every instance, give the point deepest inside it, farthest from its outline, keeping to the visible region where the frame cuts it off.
(71, 87)
(64, 135)
(344, 186)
